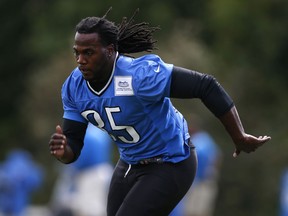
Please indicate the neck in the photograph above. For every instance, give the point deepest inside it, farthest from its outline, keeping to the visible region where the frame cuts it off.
(100, 83)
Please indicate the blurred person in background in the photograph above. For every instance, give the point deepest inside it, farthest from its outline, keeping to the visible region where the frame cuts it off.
(284, 194)
(20, 176)
(82, 186)
(200, 199)
(130, 99)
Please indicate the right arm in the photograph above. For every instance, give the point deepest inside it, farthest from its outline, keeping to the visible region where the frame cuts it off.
(65, 145)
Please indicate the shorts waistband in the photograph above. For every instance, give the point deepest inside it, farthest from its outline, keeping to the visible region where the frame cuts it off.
(153, 160)
(144, 162)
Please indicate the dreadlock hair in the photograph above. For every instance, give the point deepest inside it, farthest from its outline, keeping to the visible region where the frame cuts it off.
(126, 37)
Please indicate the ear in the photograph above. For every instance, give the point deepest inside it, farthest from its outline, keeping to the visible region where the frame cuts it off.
(110, 49)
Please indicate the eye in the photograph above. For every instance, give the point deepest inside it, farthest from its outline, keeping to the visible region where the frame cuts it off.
(76, 54)
(89, 52)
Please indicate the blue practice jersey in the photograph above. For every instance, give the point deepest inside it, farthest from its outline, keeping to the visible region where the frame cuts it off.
(133, 108)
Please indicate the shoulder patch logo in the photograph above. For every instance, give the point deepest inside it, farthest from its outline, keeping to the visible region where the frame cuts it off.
(123, 86)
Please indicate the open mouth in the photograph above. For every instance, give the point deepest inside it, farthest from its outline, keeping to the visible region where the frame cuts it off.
(85, 71)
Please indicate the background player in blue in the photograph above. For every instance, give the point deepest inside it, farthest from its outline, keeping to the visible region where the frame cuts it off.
(129, 98)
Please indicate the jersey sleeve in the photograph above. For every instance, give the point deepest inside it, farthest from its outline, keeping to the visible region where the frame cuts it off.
(153, 79)
(68, 100)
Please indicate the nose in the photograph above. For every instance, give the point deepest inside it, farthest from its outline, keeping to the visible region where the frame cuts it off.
(81, 59)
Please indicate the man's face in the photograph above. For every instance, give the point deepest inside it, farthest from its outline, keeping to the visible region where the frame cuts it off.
(91, 56)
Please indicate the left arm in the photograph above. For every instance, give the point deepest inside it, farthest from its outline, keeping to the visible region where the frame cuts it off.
(191, 84)
(243, 141)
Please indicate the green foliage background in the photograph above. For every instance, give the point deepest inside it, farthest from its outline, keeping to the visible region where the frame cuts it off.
(244, 44)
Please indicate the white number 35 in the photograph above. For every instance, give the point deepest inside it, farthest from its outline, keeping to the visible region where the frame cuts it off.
(133, 136)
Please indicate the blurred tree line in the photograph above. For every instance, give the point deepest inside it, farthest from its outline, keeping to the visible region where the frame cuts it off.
(244, 44)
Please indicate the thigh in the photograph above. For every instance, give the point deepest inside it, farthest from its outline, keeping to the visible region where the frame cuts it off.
(119, 187)
(159, 188)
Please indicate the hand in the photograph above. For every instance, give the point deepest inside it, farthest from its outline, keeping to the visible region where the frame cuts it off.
(57, 143)
(249, 144)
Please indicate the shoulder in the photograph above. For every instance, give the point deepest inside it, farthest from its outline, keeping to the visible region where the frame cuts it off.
(73, 82)
(145, 64)
(145, 60)
(75, 75)
(150, 75)
(74, 79)
(149, 58)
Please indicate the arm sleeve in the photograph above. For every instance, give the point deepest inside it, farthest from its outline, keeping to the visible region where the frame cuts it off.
(75, 133)
(192, 84)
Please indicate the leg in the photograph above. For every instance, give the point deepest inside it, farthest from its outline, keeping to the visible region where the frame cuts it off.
(158, 189)
(119, 187)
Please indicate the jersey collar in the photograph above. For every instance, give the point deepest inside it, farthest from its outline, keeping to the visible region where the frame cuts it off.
(109, 81)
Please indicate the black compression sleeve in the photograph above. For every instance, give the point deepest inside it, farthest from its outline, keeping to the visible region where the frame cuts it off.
(192, 84)
(74, 132)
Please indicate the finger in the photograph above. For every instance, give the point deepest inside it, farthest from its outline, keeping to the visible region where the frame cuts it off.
(56, 145)
(236, 153)
(54, 149)
(59, 129)
(264, 138)
(56, 153)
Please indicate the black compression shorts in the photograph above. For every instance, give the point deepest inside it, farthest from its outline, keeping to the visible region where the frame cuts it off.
(153, 189)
